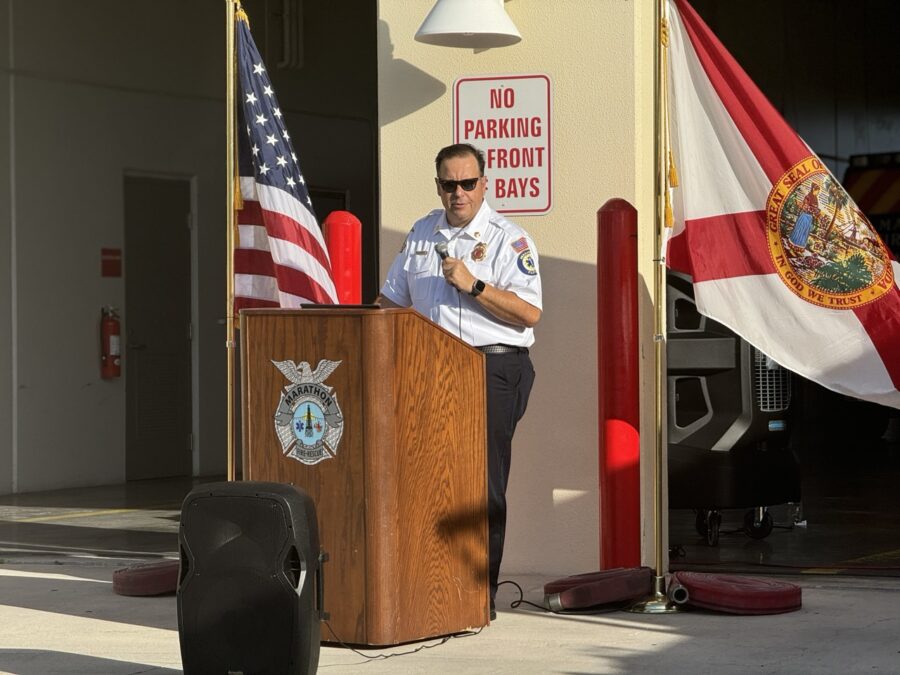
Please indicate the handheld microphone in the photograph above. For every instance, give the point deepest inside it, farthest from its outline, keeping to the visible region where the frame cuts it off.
(441, 249)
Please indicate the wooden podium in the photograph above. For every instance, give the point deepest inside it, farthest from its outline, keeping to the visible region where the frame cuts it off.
(402, 498)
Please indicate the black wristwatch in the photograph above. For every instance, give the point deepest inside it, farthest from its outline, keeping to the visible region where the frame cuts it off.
(477, 288)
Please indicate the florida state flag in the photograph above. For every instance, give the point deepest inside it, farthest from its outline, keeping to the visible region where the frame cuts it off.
(777, 250)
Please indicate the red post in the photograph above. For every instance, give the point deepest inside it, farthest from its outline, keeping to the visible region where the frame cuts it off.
(619, 416)
(343, 237)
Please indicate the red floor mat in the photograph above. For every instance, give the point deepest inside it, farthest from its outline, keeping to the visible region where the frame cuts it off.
(154, 578)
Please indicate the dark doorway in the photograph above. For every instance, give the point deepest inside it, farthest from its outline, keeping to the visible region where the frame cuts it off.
(157, 326)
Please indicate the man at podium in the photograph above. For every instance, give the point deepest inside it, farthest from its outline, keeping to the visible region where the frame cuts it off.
(475, 274)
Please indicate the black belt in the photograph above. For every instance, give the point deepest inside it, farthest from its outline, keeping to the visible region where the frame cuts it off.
(502, 349)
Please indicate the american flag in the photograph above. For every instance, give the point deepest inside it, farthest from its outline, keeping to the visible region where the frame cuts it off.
(280, 257)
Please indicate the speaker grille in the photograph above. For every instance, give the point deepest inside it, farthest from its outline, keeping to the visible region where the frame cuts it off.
(773, 384)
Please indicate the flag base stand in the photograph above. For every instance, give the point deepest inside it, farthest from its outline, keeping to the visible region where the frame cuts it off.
(658, 603)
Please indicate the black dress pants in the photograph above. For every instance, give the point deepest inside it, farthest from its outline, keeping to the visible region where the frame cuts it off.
(509, 379)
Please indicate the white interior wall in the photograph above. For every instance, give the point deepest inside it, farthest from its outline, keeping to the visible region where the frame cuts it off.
(93, 95)
(70, 422)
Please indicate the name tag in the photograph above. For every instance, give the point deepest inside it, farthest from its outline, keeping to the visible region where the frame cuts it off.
(421, 252)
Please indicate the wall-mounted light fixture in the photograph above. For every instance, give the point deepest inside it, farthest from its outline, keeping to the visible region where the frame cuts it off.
(474, 24)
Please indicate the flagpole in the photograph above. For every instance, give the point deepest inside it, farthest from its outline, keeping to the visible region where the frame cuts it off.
(229, 219)
(658, 602)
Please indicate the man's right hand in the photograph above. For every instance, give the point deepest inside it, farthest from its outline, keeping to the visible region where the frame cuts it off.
(457, 274)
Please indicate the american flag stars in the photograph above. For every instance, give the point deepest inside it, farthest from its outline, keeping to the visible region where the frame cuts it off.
(269, 139)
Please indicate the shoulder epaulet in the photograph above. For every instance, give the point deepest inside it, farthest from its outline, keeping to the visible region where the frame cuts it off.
(427, 218)
(509, 227)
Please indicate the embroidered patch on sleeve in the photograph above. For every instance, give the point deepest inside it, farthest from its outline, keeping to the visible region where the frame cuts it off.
(526, 263)
(520, 244)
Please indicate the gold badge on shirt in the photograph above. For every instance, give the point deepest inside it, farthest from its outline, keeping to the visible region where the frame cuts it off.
(479, 251)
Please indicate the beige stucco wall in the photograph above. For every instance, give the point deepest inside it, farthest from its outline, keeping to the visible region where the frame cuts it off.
(598, 55)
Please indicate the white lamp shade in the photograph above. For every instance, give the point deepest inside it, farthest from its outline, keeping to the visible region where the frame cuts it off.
(475, 24)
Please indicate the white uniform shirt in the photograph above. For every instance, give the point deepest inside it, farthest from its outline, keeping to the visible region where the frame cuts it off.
(495, 250)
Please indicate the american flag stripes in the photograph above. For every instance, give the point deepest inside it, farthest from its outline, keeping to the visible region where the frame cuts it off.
(280, 257)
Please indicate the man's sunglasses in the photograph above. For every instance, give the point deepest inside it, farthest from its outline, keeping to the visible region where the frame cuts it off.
(467, 184)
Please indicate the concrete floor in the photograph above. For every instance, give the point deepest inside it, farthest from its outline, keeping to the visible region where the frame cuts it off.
(58, 614)
(65, 619)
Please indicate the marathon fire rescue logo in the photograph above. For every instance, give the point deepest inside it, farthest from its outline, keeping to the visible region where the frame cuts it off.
(308, 420)
(479, 251)
(822, 246)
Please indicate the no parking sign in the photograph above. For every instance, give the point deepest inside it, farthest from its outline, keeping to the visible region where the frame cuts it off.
(508, 117)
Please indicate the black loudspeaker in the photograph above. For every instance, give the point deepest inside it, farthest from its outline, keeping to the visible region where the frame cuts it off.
(249, 582)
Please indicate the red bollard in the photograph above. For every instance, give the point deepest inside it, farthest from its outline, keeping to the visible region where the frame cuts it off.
(343, 237)
(619, 413)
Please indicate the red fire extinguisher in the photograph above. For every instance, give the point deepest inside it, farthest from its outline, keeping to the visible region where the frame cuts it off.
(110, 344)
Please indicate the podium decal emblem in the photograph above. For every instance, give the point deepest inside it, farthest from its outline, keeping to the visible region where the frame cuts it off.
(308, 420)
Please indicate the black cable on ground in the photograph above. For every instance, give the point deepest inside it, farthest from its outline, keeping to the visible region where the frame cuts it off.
(383, 656)
(596, 609)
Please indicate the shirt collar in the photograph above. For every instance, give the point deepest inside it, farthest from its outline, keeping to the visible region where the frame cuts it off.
(474, 230)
